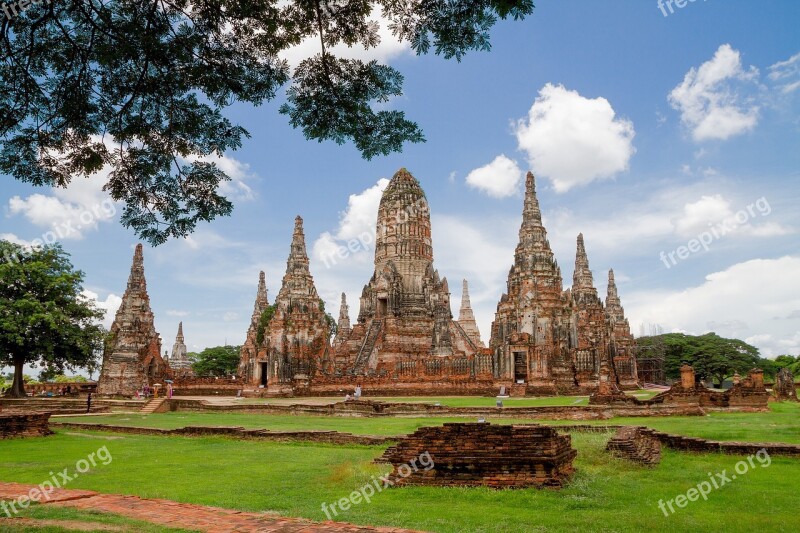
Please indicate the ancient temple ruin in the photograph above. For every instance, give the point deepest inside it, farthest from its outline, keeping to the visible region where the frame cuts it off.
(179, 361)
(251, 351)
(544, 339)
(132, 356)
(405, 327)
(296, 343)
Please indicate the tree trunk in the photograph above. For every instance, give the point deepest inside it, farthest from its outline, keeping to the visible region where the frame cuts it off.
(18, 387)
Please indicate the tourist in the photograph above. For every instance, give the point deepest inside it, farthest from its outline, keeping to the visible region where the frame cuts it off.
(169, 391)
(347, 397)
(89, 402)
(357, 394)
(68, 390)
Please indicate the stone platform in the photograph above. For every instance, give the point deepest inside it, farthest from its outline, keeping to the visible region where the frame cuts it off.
(482, 454)
(15, 424)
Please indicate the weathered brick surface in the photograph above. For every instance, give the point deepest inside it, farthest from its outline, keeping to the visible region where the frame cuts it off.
(132, 357)
(480, 454)
(187, 516)
(29, 424)
(784, 388)
(634, 444)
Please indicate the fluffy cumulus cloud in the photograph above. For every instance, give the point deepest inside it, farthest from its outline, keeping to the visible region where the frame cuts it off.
(573, 140)
(712, 98)
(715, 212)
(786, 74)
(109, 306)
(499, 179)
(237, 189)
(68, 213)
(355, 236)
(753, 300)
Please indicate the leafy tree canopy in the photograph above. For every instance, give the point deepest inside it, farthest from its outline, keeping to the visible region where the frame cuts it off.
(44, 318)
(140, 86)
(713, 357)
(217, 361)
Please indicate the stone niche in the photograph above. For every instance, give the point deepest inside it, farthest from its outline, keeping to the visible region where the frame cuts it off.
(482, 454)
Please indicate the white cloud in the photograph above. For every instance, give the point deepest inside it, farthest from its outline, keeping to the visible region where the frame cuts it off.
(354, 238)
(787, 73)
(710, 98)
(230, 316)
(738, 302)
(10, 237)
(174, 312)
(499, 179)
(697, 215)
(573, 140)
(109, 306)
(70, 212)
(389, 48)
(237, 189)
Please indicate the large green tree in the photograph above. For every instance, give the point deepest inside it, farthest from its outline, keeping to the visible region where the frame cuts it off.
(141, 86)
(217, 361)
(44, 318)
(713, 357)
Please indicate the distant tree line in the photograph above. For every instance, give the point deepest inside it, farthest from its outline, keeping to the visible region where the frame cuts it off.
(714, 358)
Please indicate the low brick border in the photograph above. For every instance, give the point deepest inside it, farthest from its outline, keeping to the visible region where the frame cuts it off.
(328, 437)
(697, 444)
(673, 441)
(185, 515)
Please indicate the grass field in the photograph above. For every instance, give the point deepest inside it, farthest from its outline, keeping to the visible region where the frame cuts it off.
(45, 519)
(294, 479)
(781, 424)
(455, 401)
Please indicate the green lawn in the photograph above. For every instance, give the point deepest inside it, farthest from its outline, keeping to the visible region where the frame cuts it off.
(781, 424)
(86, 519)
(454, 401)
(294, 479)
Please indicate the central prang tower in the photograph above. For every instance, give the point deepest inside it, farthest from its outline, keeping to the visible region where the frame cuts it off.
(405, 315)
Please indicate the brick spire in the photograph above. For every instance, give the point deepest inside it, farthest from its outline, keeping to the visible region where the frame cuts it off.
(262, 301)
(582, 277)
(344, 315)
(613, 303)
(466, 318)
(533, 251)
(179, 336)
(298, 284)
(136, 279)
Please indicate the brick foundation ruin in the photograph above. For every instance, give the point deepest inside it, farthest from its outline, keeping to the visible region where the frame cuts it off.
(746, 394)
(482, 454)
(635, 444)
(784, 388)
(24, 425)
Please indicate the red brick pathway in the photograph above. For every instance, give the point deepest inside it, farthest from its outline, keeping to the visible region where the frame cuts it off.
(185, 515)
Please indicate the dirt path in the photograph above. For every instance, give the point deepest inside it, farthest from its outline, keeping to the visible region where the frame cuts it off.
(183, 515)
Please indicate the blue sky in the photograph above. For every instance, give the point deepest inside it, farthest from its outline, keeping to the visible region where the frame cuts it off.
(646, 132)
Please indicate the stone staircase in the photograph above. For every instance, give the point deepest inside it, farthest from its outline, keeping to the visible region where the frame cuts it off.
(153, 406)
(464, 335)
(369, 344)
